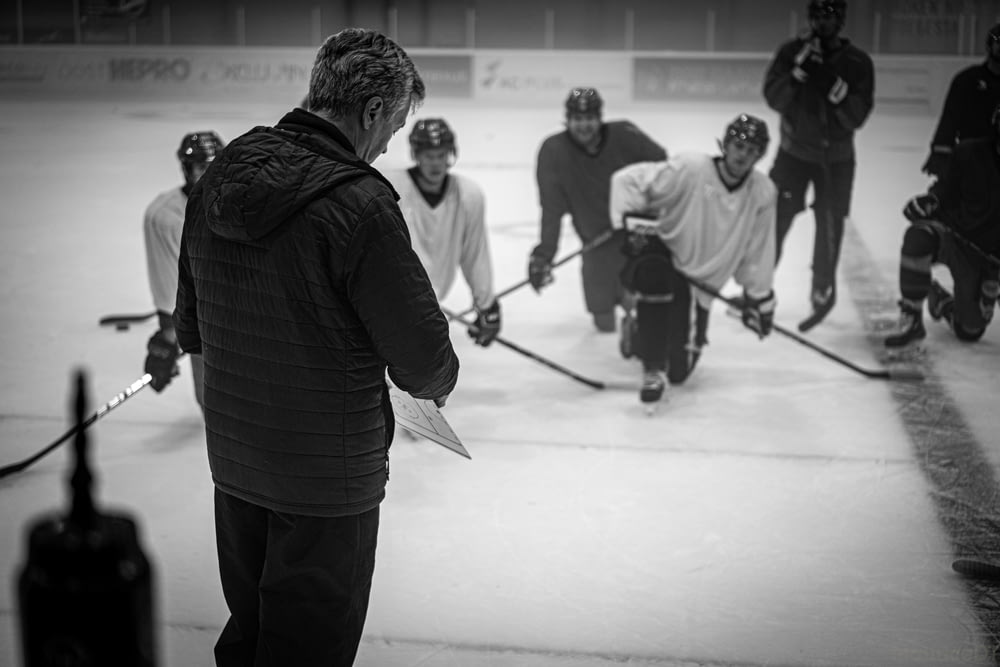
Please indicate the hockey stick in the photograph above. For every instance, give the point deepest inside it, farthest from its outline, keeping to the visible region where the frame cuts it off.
(123, 396)
(880, 374)
(991, 259)
(596, 384)
(122, 322)
(600, 239)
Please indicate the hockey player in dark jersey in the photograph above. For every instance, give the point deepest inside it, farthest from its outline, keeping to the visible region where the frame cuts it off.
(972, 95)
(957, 223)
(574, 176)
(823, 87)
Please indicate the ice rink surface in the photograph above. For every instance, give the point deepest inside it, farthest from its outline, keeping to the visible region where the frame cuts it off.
(779, 509)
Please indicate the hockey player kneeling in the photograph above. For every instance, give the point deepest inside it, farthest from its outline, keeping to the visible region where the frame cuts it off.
(707, 217)
(956, 224)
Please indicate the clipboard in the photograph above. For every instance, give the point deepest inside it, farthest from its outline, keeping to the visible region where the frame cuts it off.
(422, 416)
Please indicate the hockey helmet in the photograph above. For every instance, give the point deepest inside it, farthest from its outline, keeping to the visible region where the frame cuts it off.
(584, 101)
(432, 133)
(819, 9)
(200, 147)
(750, 129)
(992, 37)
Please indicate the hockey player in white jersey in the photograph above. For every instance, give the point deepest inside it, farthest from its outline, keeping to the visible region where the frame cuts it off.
(446, 215)
(710, 218)
(162, 225)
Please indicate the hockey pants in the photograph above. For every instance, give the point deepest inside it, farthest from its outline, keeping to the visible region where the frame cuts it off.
(672, 327)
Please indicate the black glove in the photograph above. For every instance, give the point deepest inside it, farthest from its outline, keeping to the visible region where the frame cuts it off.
(921, 207)
(758, 314)
(807, 61)
(161, 360)
(487, 325)
(936, 162)
(539, 272)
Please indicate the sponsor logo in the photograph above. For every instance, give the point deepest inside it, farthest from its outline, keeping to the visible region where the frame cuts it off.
(259, 72)
(496, 79)
(149, 69)
(21, 71)
(661, 79)
(69, 70)
(450, 76)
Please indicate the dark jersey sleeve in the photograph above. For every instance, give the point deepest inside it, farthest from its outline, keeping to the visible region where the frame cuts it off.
(552, 198)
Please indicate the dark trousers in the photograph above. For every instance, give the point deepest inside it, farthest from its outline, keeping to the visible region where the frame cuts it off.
(832, 188)
(297, 587)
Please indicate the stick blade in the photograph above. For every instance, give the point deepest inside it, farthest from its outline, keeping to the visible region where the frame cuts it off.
(121, 322)
(906, 375)
(976, 569)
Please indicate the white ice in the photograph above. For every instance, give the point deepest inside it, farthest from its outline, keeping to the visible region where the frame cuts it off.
(773, 512)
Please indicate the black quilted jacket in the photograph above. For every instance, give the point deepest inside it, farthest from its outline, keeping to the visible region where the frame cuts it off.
(298, 285)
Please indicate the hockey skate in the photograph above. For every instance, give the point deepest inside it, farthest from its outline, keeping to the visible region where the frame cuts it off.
(822, 301)
(940, 302)
(654, 383)
(911, 326)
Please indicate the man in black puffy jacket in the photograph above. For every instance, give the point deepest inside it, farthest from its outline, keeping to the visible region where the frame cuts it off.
(298, 285)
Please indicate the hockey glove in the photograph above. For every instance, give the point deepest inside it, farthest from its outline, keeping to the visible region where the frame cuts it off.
(487, 325)
(807, 61)
(988, 293)
(921, 207)
(758, 314)
(937, 161)
(539, 272)
(161, 360)
(837, 92)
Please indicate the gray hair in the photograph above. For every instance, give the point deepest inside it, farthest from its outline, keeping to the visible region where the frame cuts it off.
(357, 64)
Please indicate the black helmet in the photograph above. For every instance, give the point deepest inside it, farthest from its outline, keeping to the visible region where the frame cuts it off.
(584, 100)
(992, 37)
(200, 147)
(432, 133)
(818, 8)
(749, 129)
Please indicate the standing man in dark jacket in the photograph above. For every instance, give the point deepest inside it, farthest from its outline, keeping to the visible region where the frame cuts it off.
(972, 95)
(823, 87)
(298, 285)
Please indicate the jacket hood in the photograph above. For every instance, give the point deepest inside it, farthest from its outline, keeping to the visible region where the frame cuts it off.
(268, 175)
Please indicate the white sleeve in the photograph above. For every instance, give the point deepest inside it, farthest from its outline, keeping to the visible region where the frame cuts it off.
(477, 266)
(630, 190)
(755, 272)
(162, 234)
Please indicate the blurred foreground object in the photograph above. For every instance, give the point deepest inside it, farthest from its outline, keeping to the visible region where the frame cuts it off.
(85, 593)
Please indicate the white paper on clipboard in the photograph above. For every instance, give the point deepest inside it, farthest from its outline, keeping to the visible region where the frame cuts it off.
(422, 417)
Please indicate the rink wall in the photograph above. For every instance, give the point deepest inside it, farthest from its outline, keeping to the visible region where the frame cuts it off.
(495, 77)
